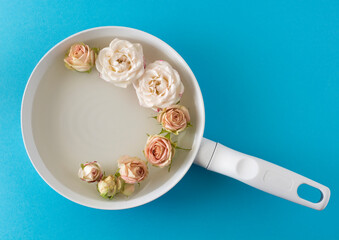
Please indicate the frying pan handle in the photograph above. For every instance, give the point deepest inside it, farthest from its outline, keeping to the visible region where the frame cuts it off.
(258, 173)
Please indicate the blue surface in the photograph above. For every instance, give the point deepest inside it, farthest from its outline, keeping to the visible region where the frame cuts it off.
(269, 73)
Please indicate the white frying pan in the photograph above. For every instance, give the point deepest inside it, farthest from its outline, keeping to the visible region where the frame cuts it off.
(69, 118)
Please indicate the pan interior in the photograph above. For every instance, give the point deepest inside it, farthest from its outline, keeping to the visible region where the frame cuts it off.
(78, 117)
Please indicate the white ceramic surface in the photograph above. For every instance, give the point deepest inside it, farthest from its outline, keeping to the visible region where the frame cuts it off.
(69, 118)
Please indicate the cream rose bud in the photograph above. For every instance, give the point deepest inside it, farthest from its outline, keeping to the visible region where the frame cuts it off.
(128, 189)
(132, 169)
(159, 87)
(124, 188)
(120, 183)
(174, 118)
(90, 172)
(80, 58)
(121, 63)
(159, 151)
(107, 187)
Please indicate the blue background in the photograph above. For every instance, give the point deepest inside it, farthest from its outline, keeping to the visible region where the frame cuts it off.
(269, 74)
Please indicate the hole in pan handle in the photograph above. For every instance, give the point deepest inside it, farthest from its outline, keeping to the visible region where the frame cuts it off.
(258, 173)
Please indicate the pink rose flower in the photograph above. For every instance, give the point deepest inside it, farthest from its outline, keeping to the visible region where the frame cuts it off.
(90, 172)
(159, 151)
(132, 169)
(174, 118)
(80, 58)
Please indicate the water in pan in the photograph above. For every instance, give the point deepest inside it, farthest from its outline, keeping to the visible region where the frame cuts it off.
(78, 117)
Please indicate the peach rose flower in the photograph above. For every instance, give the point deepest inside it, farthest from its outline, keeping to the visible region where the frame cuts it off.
(174, 119)
(90, 172)
(159, 151)
(80, 58)
(132, 169)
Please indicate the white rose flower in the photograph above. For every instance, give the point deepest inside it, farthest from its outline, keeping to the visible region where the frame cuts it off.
(159, 87)
(121, 63)
(90, 172)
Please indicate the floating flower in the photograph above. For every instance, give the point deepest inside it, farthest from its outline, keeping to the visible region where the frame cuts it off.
(132, 169)
(90, 172)
(107, 187)
(80, 57)
(123, 187)
(120, 183)
(128, 189)
(121, 63)
(159, 87)
(174, 119)
(159, 151)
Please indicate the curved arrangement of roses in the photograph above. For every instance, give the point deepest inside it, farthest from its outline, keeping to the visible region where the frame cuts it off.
(157, 85)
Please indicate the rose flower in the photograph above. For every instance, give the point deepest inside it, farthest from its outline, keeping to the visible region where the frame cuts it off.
(132, 169)
(159, 87)
(159, 151)
(107, 187)
(90, 172)
(121, 63)
(80, 58)
(174, 119)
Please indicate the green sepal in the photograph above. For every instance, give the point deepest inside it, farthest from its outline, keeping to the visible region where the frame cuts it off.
(104, 195)
(89, 71)
(168, 136)
(177, 102)
(169, 167)
(187, 149)
(96, 50)
(189, 125)
(111, 197)
(117, 173)
(82, 166)
(163, 131)
(155, 117)
(175, 145)
(148, 135)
